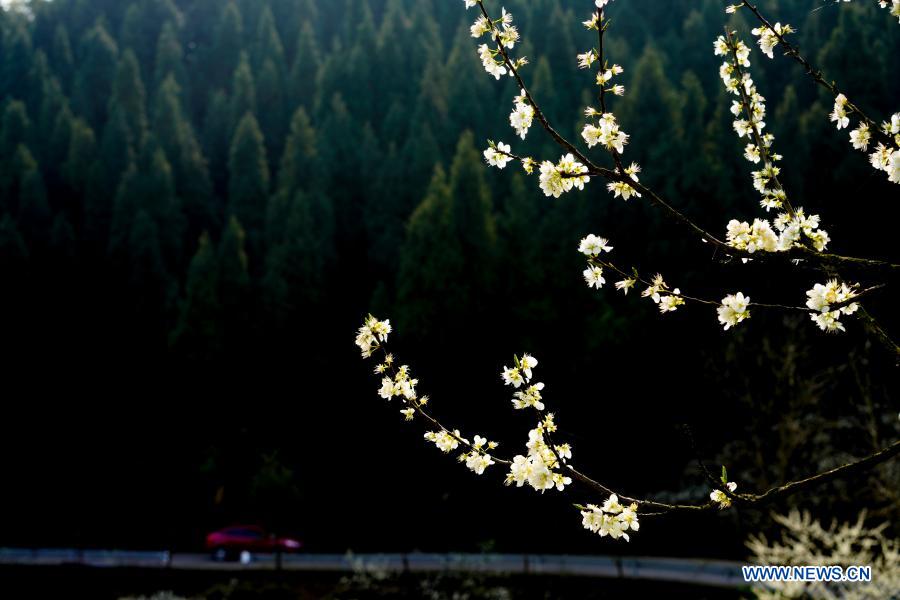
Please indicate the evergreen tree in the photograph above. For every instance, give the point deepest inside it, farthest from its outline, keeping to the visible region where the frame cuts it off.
(270, 94)
(128, 96)
(225, 53)
(15, 129)
(148, 187)
(234, 289)
(170, 57)
(217, 140)
(197, 336)
(305, 70)
(449, 250)
(95, 75)
(192, 182)
(243, 91)
(268, 44)
(61, 57)
(248, 182)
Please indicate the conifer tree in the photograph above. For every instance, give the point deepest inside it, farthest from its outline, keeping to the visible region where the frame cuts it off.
(197, 336)
(95, 75)
(248, 182)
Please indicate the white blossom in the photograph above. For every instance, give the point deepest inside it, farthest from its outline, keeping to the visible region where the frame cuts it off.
(839, 114)
(552, 180)
(593, 245)
(371, 333)
(539, 469)
(444, 440)
(720, 497)
(612, 519)
(625, 285)
(768, 38)
(733, 310)
(529, 397)
(822, 297)
(860, 137)
(499, 156)
(594, 277)
(758, 236)
(522, 116)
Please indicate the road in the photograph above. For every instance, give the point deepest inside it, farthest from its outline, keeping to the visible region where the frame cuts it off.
(694, 571)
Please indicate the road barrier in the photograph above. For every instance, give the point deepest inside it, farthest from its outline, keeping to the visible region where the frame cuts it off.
(716, 573)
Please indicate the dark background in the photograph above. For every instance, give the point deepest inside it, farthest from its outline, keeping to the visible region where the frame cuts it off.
(201, 199)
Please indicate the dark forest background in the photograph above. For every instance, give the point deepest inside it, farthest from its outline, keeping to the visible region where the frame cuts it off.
(201, 199)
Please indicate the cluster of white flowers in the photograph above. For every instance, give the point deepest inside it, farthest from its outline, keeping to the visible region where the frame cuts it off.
(752, 238)
(592, 246)
(720, 497)
(765, 180)
(555, 180)
(658, 291)
(734, 309)
(540, 468)
(521, 374)
(623, 189)
(612, 518)
(759, 236)
(497, 155)
(792, 230)
(371, 333)
(522, 115)
(446, 441)
(401, 384)
(505, 33)
(606, 131)
(822, 297)
(768, 38)
(884, 157)
(839, 113)
(478, 459)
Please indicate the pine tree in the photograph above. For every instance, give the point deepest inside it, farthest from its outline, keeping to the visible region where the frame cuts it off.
(61, 57)
(243, 91)
(217, 140)
(248, 182)
(431, 264)
(197, 336)
(225, 53)
(141, 27)
(128, 96)
(270, 94)
(299, 230)
(267, 45)
(15, 130)
(16, 64)
(305, 70)
(35, 218)
(449, 251)
(170, 57)
(95, 75)
(148, 187)
(192, 182)
(152, 290)
(234, 288)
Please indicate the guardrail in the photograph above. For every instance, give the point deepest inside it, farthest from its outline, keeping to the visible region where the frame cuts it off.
(716, 573)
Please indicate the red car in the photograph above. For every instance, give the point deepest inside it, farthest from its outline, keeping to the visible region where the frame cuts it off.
(232, 542)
